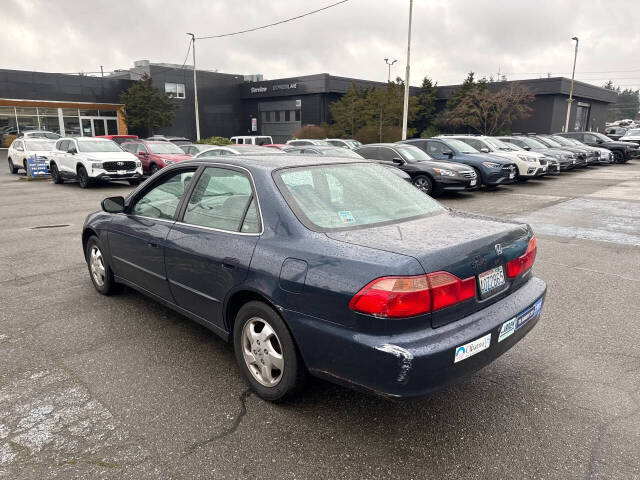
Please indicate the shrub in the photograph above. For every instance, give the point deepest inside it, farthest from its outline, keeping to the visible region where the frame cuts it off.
(7, 139)
(311, 131)
(215, 141)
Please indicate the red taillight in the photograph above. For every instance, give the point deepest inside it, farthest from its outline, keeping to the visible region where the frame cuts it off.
(408, 296)
(523, 263)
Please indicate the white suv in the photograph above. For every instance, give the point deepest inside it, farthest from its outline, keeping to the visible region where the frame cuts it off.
(22, 149)
(529, 166)
(91, 160)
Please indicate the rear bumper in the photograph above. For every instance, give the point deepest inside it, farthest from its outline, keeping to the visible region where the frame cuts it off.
(412, 364)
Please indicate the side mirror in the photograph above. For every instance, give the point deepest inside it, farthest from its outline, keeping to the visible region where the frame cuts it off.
(72, 150)
(144, 153)
(484, 150)
(113, 204)
(20, 149)
(598, 141)
(398, 161)
(527, 147)
(448, 153)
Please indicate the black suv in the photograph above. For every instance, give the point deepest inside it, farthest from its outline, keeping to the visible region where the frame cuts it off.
(427, 174)
(622, 151)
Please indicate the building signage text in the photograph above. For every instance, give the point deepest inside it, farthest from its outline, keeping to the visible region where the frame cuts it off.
(275, 88)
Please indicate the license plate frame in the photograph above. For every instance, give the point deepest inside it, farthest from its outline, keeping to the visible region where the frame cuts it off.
(496, 281)
(121, 172)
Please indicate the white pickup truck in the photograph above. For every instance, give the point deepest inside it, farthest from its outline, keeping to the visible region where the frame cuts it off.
(91, 160)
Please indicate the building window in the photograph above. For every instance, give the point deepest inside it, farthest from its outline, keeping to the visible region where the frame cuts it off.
(175, 90)
(264, 116)
(287, 116)
(280, 116)
(297, 115)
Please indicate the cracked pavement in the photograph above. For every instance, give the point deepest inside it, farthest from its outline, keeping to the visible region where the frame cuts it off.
(123, 388)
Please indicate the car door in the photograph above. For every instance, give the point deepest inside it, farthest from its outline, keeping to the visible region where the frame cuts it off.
(137, 237)
(209, 250)
(17, 153)
(436, 150)
(62, 157)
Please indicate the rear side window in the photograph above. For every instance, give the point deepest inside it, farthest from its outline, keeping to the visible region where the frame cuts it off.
(338, 197)
(163, 199)
(222, 199)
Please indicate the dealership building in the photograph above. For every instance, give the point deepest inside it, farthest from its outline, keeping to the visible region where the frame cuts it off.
(235, 104)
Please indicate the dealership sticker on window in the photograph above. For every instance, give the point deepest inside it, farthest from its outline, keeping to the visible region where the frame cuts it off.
(471, 348)
(346, 216)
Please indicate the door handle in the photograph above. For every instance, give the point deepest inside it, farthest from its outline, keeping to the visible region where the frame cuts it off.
(153, 245)
(230, 263)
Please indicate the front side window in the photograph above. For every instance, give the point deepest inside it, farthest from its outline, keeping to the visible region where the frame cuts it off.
(163, 199)
(337, 197)
(435, 148)
(221, 199)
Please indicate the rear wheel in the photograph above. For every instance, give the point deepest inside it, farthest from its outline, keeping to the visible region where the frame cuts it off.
(55, 174)
(12, 168)
(153, 169)
(83, 177)
(134, 181)
(266, 353)
(424, 183)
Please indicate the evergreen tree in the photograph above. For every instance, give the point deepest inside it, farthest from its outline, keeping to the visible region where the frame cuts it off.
(426, 107)
(146, 107)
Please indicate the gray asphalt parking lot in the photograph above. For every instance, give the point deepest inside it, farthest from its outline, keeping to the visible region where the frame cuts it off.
(121, 387)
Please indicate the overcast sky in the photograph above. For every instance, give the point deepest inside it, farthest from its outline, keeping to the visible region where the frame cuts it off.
(521, 39)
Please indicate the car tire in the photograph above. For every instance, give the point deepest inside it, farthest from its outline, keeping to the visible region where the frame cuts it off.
(153, 169)
(83, 178)
(423, 183)
(478, 177)
(262, 343)
(26, 169)
(134, 182)
(618, 157)
(12, 168)
(99, 270)
(55, 174)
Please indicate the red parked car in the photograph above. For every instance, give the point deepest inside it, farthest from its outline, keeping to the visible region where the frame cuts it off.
(155, 154)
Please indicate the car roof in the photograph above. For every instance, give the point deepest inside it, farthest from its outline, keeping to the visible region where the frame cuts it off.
(270, 163)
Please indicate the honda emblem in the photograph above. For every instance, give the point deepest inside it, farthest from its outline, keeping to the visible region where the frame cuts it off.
(498, 248)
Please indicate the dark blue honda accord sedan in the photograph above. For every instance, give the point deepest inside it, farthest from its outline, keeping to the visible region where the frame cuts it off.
(333, 267)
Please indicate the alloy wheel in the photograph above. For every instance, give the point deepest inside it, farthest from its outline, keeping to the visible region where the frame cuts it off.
(262, 352)
(96, 264)
(423, 184)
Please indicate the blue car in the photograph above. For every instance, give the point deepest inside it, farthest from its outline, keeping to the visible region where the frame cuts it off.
(325, 266)
(492, 170)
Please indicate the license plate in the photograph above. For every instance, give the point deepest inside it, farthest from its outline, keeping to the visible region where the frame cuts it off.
(512, 175)
(490, 281)
(121, 172)
(472, 183)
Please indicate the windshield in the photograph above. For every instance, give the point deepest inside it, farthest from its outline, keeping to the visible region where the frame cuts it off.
(531, 143)
(498, 144)
(340, 152)
(411, 153)
(353, 143)
(460, 146)
(338, 197)
(602, 137)
(562, 141)
(98, 146)
(165, 147)
(548, 142)
(40, 145)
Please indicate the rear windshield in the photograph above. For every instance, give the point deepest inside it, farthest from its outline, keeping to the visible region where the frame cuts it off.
(338, 197)
(165, 147)
(40, 145)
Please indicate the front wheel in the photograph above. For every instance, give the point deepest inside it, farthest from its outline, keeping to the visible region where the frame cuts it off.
(134, 181)
(423, 183)
(12, 168)
(83, 178)
(153, 169)
(478, 177)
(266, 352)
(55, 174)
(618, 157)
(99, 270)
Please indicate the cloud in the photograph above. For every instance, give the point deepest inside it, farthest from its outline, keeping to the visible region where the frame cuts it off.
(450, 38)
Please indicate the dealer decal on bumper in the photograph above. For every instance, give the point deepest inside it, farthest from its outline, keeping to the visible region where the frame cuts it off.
(519, 320)
(471, 348)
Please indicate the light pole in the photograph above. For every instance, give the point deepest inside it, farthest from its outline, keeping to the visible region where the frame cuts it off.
(405, 111)
(386, 60)
(195, 86)
(573, 73)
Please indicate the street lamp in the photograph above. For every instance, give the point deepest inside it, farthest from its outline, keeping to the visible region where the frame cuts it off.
(195, 86)
(405, 111)
(386, 60)
(575, 56)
